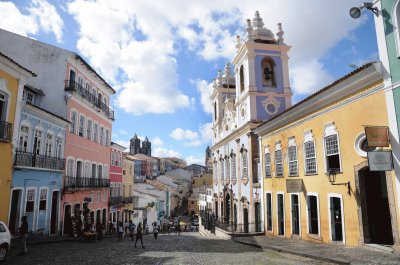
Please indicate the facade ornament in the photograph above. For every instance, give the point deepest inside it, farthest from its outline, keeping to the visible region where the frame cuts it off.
(249, 30)
(280, 34)
(271, 104)
(238, 42)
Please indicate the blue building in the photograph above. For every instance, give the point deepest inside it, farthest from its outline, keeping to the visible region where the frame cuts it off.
(38, 167)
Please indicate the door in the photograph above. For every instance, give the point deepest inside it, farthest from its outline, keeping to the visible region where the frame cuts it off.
(281, 218)
(336, 219)
(67, 220)
(14, 211)
(235, 216)
(71, 79)
(216, 209)
(245, 220)
(257, 218)
(295, 214)
(228, 207)
(54, 213)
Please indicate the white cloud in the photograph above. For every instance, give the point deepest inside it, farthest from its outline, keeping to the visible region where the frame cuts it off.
(206, 133)
(47, 16)
(157, 142)
(41, 16)
(165, 152)
(180, 134)
(123, 143)
(205, 89)
(123, 132)
(309, 77)
(195, 160)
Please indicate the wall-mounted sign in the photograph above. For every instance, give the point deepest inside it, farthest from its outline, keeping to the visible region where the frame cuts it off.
(377, 136)
(380, 160)
(294, 185)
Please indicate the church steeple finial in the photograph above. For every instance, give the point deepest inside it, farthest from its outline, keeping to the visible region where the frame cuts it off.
(280, 34)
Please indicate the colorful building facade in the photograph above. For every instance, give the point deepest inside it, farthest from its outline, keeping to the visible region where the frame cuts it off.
(317, 182)
(13, 77)
(116, 182)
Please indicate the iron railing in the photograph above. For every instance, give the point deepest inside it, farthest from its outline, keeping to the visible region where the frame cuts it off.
(72, 183)
(39, 161)
(128, 199)
(72, 85)
(255, 227)
(5, 132)
(116, 200)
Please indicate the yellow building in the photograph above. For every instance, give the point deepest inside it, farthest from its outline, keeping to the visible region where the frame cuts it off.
(128, 173)
(205, 179)
(12, 81)
(318, 185)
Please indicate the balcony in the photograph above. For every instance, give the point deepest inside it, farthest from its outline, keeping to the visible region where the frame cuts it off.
(72, 183)
(38, 161)
(128, 199)
(116, 200)
(5, 131)
(71, 85)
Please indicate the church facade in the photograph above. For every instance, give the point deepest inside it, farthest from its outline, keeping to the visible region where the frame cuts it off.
(258, 90)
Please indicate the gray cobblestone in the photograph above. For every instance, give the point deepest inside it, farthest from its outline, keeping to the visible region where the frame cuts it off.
(189, 248)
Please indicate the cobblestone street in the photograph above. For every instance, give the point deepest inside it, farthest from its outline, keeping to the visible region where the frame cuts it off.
(188, 248)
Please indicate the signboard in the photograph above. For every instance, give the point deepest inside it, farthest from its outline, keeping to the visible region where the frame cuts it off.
(377, 136)
(380, 160)
(294, 185)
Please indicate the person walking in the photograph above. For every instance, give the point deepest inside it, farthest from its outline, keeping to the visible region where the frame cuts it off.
(139, 235)
(131, 228)
(23, 231)
(155, 230)
(120, 230)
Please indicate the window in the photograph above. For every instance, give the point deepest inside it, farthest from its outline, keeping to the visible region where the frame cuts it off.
(267, 163)
(269, 212)
(244, 164)
(79, 168)
(87, 169)
(72, 126)
(94, 170)
(30, 201)
(221, 170)
(241, 78)
(309, 154)
(233, 166)
(215, 172)
(332, 153)
(268, 71)
(37, 141)
(49, 141)
(59, 147)
(28, 97)
(313, 216)
(292, 157)
(107, 139)
(112, 158)
(80, 82)
(227, 170)
(3, 104)
(89, 129)
(278, 162)
(23, 139)
(100, 172)
(106, 171)
(95, 132)
(70, 168)
(101, 135)
(43, 200)
(81, 125)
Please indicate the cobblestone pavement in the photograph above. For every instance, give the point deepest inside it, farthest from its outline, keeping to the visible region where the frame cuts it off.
(188, 248)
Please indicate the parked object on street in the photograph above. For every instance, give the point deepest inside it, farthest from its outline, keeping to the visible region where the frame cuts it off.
(5, 240)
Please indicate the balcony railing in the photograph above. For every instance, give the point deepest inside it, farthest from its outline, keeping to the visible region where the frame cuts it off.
(116, 200)
(5, 131)
(72, 85)
(73, 183)
(39, 161)
(128, 199)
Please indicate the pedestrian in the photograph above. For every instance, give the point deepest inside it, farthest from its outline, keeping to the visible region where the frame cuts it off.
(131, 228)
(23, 231)
(178, 229)
(120, 230)
(99, 228)
(155, 230)
(139, 232)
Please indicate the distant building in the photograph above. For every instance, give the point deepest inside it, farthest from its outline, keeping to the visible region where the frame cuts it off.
(209, 159)
(135, 147)
(196, 169)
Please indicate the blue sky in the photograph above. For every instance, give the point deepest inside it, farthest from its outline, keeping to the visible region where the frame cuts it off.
(161, 56)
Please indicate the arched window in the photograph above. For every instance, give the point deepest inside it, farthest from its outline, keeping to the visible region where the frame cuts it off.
(72, 127)
(49, 144)
(268, 72)
(23, 139)
(3, 106)
(37, 142)
(241, 78)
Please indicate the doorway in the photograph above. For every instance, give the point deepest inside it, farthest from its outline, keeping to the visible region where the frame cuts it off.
(54, 213)
(335, 208)
(15, 211)
(295, 214)
(281, 215)
(257, 218)
(377, 224)
(216, 210)
(67, 220)
(228, 207)
(245, 220)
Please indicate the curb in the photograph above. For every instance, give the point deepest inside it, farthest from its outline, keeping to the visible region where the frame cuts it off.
(284, 250)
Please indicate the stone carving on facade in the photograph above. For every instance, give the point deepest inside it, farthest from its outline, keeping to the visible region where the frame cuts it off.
(271, 104)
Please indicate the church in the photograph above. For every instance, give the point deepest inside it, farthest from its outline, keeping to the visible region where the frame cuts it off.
(136, 148)
(257, 90)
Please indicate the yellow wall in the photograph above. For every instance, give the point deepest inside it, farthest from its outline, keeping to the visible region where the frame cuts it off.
(6, 157)
(349, 120)
(127, 178)
(205, 180)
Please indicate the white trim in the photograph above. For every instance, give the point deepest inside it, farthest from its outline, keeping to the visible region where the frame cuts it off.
(340, 196)
(83, 125)
(34, 204)
(22, 189)
(291, 212)
(46, 211)
(266, 212)
(4, 90)
(357, 144)
(331, 130)
(308, 214)
(277, 210)
(396, 27)
(309, 137)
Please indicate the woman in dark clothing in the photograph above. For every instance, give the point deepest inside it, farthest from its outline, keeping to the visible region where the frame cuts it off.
(23, 231)
(139, 231)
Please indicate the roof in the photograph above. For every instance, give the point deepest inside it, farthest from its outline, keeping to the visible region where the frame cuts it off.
(358, 70)
(17, 64)
(114, 143)
(140, 157)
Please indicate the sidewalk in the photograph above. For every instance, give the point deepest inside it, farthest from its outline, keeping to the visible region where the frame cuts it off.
(334, 253)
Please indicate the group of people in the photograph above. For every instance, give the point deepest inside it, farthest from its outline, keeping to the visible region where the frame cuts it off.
(135, 231)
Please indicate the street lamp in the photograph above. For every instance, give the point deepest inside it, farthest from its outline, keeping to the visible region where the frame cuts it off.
(332, 179)
(355, 12)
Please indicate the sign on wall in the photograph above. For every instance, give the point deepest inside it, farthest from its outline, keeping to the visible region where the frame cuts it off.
(380, 160)
(294, 185)
(377, 136)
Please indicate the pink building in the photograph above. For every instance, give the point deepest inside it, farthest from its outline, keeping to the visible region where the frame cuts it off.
(116, 204)
(87, 148)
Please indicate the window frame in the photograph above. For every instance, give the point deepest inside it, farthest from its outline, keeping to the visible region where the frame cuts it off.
(279, 162)
(292, 144)
(73, 120)
(309, 138)
(309, 226)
